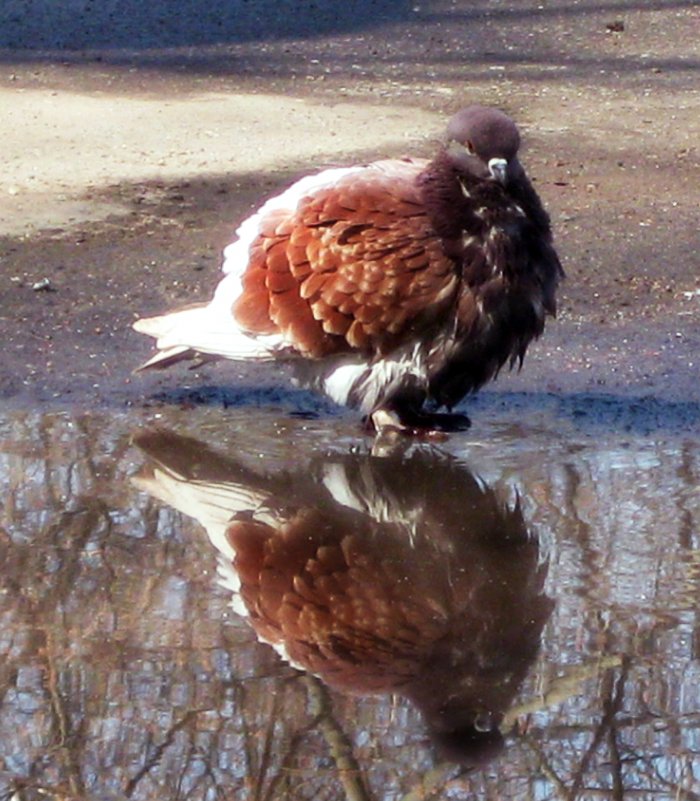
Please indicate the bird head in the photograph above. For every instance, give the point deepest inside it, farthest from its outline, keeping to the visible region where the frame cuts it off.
(485, 141)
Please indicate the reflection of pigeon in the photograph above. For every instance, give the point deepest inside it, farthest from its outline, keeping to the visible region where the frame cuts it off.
(390, 284)
(402, 574)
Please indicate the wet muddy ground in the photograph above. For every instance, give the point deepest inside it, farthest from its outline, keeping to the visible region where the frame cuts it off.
(132, 149)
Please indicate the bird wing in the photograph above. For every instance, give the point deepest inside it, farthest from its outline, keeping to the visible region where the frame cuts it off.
(352, 267)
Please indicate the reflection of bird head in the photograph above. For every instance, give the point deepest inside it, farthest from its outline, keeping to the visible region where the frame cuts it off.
(401, 574)
(470, 745)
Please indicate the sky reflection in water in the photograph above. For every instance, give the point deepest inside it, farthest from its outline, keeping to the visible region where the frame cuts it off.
(511, 613)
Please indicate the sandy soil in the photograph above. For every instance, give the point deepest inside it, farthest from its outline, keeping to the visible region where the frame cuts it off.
(127, 167)
(80, 143)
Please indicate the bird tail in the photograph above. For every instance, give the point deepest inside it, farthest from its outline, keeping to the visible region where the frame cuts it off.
(200, 330)
(213, 500)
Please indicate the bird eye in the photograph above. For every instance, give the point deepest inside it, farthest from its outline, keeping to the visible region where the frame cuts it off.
(470, 148)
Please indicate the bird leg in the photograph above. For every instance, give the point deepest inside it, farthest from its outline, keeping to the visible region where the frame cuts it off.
(417, 423)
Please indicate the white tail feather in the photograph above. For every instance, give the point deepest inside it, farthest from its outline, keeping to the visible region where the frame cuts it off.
(205, 330)
(164, 358)
(211, 329)
(213, 505)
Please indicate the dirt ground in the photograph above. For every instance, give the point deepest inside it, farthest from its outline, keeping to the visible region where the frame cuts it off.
(131, 153)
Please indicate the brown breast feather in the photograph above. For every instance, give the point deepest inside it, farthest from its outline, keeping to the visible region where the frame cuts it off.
(354, 267)
(340, 611)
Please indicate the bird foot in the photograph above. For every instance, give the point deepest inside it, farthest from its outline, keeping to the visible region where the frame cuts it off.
(421, 425)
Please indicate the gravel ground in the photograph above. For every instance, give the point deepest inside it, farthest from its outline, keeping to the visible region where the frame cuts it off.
(135, 140)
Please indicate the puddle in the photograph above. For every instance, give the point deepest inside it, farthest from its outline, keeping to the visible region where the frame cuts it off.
(510, 614)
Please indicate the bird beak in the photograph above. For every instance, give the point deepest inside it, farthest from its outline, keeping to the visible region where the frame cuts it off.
(498, 169)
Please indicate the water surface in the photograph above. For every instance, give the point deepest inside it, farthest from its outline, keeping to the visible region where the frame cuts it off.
(509, 614)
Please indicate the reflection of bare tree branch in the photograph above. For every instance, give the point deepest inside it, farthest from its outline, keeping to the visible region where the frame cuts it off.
(618, 788)
(213, 782)
(259, 766)
(607, 728)
(269, 771)
(688, 482)
(562, 730)
(679, 793)
(158, 752)
(636, 792)
(613, 692)
(338, 742)
(265, 764)
(434, 781)
(282, 776)
(287, 761)
(23, 789)
(248, 752)
(188, 781)
(68, 739)
(544, 765)
(89, 646)
(561, 689)
(649, 767)
(589, 555)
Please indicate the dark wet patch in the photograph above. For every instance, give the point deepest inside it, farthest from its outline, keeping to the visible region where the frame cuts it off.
(271, 45)
(593, 414)
(48, 26)
(286, 400)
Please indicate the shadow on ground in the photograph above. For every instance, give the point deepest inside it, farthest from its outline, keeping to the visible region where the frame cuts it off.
(374, 40)
(587, 413)
(47, 25)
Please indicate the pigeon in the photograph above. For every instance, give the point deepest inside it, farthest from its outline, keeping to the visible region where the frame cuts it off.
(399, 574)
(396, 287)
